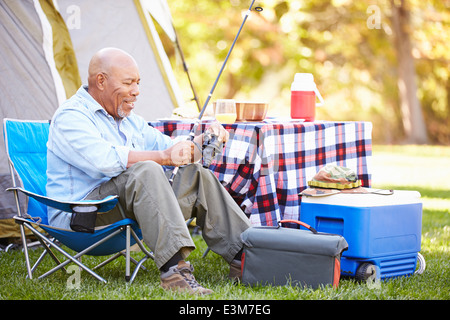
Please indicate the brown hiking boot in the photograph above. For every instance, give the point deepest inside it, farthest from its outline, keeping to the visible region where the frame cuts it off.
(180, 278)
(235, 271)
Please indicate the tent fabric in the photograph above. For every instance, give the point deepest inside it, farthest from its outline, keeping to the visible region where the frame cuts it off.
(46, 47)
(156, 45)
(117, 24)
(63, 53)
(26, 82)
(161, 13)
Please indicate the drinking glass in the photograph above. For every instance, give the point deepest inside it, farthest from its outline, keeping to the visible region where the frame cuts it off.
(225, 111)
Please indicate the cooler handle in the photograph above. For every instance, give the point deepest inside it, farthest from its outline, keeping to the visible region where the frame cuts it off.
(316, 91)
(307, 226)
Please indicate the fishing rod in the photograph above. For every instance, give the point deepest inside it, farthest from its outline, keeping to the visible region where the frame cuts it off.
(197, 122)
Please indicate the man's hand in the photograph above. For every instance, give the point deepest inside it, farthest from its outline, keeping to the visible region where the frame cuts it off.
(181, 153)
(219, 131)
(185, 152)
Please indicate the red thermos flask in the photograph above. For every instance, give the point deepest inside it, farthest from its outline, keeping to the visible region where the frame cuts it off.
(303, 97)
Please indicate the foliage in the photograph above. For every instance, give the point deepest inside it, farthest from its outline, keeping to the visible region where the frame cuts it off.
(351, 55)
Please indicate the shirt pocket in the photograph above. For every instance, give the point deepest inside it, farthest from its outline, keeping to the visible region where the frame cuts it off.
(137, 142)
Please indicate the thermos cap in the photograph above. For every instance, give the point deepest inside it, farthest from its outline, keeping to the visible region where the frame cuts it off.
(303, 77)
(303, 82)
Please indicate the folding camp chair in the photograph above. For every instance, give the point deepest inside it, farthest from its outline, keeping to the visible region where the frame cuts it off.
(26, 149)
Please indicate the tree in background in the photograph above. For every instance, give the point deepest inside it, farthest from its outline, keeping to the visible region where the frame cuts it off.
(384, 61)
(412, 118)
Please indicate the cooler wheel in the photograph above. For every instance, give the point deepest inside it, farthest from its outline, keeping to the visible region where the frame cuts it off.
(366, 271)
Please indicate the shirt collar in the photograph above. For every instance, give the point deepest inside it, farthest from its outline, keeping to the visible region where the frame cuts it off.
(93, 104)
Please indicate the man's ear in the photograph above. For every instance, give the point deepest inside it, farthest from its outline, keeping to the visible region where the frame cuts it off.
(100, 81)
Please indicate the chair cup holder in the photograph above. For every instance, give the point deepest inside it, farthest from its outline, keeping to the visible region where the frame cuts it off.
(83, 218)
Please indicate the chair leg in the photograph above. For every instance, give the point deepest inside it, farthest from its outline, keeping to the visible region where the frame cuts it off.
(189, 221)
(48, 250)
(114, 257)
(136, 269)
(25, 250)
(141, 246)
(38, 261)
(74, 258)
(22, 230)
(130, 232)
(145, 258)
(206, 252)
(104, 263)
(71, 259)
(127, 254)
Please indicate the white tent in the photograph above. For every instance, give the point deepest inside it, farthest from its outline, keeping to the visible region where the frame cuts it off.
(45, 51)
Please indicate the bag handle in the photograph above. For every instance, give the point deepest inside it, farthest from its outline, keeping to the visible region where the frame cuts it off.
(307, 226)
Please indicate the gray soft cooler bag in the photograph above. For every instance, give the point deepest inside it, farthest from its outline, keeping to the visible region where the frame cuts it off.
(280, 256)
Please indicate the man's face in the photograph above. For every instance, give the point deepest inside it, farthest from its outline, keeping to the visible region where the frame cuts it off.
(121, 88)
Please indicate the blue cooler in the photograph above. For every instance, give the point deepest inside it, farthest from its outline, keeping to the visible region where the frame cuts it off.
(383, 232)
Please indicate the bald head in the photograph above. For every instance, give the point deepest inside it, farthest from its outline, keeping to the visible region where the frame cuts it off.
(113, 79)
(108, 59)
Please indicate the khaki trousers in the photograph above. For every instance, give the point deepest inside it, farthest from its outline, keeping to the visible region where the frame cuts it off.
(161, 210)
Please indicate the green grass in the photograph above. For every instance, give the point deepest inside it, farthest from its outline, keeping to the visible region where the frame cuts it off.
(424, 169)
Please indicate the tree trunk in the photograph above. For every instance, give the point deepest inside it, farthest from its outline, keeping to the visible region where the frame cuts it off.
(412, 117)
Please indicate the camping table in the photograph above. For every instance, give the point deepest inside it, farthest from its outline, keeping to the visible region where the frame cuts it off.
(265, 165)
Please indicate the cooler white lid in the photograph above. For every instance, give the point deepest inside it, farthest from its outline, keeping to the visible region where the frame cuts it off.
(399, 197)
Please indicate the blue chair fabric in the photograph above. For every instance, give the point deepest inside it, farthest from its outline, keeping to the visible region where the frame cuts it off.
(26, 148)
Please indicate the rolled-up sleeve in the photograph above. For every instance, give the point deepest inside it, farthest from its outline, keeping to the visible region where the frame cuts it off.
(122, 153)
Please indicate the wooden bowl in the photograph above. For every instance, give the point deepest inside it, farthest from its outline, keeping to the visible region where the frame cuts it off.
(251, 111)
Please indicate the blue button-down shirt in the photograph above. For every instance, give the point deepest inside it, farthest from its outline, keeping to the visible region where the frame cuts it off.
(87, 147)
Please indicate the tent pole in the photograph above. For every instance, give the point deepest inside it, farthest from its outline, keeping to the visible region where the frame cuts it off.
(185, 67)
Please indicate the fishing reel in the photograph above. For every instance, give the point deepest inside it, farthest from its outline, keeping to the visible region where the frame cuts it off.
(211, 147)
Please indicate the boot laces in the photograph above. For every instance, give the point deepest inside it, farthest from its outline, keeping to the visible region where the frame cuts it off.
(186, 273)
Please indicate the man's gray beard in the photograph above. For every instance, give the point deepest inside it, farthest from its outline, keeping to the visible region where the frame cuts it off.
(121, 113)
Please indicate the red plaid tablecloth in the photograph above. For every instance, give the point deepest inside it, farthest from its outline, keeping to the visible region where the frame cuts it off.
(265, 166)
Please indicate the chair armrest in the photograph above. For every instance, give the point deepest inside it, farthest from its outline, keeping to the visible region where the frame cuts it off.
(103, 205)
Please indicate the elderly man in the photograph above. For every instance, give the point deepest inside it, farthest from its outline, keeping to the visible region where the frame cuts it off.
(98, 146)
